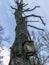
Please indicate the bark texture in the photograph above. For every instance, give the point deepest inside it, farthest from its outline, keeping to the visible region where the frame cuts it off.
(17, 56)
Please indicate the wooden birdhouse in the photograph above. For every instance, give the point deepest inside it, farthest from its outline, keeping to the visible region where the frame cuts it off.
(28, 48)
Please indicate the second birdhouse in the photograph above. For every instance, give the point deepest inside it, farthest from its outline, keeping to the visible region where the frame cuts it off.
(28, 48)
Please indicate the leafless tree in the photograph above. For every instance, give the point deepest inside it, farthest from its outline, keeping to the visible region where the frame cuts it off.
(17, 56)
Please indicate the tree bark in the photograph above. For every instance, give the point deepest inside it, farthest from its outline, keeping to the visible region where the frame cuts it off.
(17, 57)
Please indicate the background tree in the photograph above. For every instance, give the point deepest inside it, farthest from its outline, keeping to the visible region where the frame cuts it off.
(17, 56)
(1, 35)
(2, 39)
(42, 46)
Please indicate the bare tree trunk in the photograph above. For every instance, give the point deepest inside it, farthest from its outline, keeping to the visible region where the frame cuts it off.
(17, 57)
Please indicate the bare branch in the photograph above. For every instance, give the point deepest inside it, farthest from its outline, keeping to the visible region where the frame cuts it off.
(35, 27)
(45, 60)
(13, 8)
(45, 39)
(35, 16)
(32, 21)
(16, 1)
(21, 1)
(31, 9)
(26, 10)
(35, 7)
(25, 5)
(29, 35)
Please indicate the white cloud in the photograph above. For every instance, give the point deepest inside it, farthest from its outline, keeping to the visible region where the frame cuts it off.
(6, 55)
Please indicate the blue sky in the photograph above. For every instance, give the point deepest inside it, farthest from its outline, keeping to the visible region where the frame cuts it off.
(8, 22)
(7, 18)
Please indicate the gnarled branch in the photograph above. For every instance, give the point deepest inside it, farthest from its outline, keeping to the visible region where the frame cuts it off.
(35, 16)
(27, 10)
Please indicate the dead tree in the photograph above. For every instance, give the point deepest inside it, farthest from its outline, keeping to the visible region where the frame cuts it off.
(17, 55)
